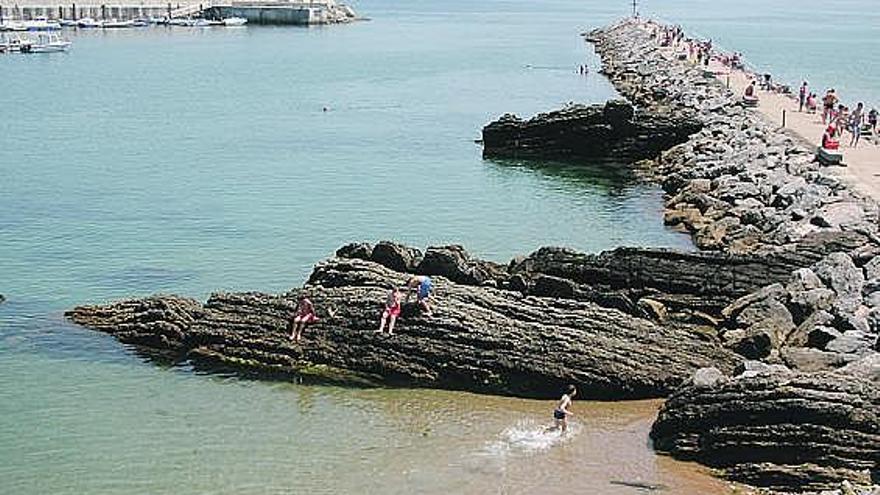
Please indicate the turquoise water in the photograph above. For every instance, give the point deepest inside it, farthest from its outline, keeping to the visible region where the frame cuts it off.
(189, 160)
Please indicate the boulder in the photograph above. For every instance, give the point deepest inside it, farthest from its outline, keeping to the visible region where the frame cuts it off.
(707, 377)
(818, 428)
(655, 309)
(867, 368)
(812, 360)
(456, 264)
(359, 250)
(749, 368)
(838, 272)
(851, 341)
(396, 256)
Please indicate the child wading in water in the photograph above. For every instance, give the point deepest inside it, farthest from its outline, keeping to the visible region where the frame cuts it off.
(561, 413)
(392, 311)
(305, 314)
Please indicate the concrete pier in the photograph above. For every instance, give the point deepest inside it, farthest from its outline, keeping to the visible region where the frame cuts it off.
(256, 12)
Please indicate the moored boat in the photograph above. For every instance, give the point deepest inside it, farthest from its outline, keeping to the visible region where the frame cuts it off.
(234, 21)
(116, 24)
(49, 43)
(87, 23)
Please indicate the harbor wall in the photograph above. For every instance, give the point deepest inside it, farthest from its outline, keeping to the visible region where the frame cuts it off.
(270, 15)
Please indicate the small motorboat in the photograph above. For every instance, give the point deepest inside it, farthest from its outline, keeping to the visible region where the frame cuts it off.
(140, 23)
(16, 43)
(41, 24)
(115, 24)
(206, 23)
(50, 43)
(88, 23)
(234, 21)
(181, 22)
(67, 23)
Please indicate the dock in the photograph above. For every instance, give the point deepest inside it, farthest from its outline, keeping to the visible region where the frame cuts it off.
(296, 12)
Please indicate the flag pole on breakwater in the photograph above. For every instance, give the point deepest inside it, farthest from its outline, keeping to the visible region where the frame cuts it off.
(635, 8)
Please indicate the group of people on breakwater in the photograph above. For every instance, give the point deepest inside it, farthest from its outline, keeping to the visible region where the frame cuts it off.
(421, 284)
(839, 118)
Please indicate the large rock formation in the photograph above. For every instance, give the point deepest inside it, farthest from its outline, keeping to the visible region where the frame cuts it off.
(780, 430)
(611, 131)
(481, 338)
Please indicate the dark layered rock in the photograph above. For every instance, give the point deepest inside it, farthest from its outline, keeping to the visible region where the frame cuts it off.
(614, 131)
(481, 338)
(783, 431)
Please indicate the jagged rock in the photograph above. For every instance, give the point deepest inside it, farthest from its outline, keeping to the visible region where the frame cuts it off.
(655, 309)
(868, 368)
(804, 303)
(812, 360)
(783, 431)
(751, 343)
(480, 339)
(456, 264)
(852, 341)
(550, 286)
(359, 250)
(872, 269)
(839, 272)
(750, 368)
(760, 322)
(707, 377)
(804, 279)
(396, 256)
(612, 130)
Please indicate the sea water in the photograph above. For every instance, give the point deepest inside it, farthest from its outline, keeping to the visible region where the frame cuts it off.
(192, 160)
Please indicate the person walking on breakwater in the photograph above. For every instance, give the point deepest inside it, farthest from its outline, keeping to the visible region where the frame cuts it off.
(561, 412)
(392, 310)
(422, 285)
(802, 96)
(828, 102)
(856, 120)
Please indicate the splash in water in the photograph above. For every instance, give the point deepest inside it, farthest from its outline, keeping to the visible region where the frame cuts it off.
(530, 437)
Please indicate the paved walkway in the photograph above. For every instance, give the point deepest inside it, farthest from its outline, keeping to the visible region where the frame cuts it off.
(862, 168)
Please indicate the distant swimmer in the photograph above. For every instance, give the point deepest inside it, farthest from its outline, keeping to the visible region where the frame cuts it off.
(422, 285)
(561, 413)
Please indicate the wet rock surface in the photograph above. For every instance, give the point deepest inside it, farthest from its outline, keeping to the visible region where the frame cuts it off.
(777, 429)
(480, 338)
(614, 130)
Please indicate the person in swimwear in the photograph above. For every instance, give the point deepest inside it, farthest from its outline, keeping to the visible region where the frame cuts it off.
(422, 284)
(561, 413)
(392, 311)
(829, 139)
(305, 314)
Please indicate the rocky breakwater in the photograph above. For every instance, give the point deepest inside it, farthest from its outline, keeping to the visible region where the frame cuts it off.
(614, 131)
(740, 185)
(481, 338)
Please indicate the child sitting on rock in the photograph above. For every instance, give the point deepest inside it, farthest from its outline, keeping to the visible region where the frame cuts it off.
(422, 284)
(305, 314)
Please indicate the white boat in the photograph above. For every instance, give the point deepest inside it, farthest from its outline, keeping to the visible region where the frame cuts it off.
(115, 24)
(206, 23)
(234, 21)
(15, 42)
(67, 23)
(87, 23)
(181, 22)
(140, 23)
(49, 43)
(41, 24)
(15, 26)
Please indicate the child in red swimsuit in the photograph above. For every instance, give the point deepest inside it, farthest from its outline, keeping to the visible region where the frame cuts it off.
(305, 314)
(392, 311)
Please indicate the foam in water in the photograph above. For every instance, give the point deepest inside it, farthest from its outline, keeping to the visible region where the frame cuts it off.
(528, 436)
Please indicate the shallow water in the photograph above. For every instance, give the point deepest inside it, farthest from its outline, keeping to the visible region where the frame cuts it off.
(182, 160)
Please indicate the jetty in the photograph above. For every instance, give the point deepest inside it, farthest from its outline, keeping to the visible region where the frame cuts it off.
(315, 12)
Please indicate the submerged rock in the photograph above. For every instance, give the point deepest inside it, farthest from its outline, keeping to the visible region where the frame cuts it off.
(480, 338)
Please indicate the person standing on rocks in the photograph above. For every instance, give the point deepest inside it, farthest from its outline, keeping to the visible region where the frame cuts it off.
(422, 284)
(561, 413)
(392, 311)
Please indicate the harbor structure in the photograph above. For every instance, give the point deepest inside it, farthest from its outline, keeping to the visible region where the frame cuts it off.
(296, 12)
